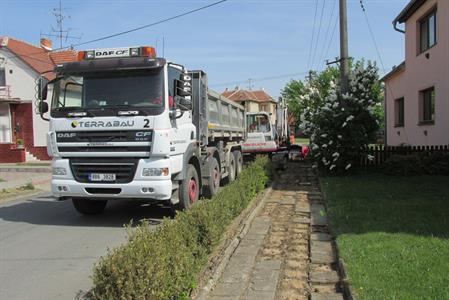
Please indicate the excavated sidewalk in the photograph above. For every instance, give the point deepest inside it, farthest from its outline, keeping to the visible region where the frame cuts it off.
(287, 252)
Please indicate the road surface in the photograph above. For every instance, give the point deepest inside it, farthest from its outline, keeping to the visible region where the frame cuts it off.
(47, 249)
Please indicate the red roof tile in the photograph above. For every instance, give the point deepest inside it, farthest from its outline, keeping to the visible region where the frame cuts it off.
(38, 59)
(245, 95)
(63, 56)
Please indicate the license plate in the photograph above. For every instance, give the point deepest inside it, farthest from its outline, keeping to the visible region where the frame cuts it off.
(101, 177)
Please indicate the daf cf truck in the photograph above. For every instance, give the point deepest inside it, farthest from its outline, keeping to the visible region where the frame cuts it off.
(126, 124)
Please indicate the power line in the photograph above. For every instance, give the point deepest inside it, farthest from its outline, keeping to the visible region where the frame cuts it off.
(372, 35)
(313, 36)
(259, 79)
(148, 25)
(329, 25)
(137, 28)
(319, 32)
(332, 36)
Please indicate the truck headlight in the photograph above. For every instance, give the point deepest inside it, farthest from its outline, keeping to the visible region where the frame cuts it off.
(59, 171)
(155, 172)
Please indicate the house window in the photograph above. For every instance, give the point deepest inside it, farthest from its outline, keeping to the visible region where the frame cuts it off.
(399, 112)
(2, 77)
(263, 108)
(5, 123)
(428, 31)
(427, 103)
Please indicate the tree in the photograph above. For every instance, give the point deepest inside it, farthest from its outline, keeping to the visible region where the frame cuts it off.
(340, 125)
(295, 90)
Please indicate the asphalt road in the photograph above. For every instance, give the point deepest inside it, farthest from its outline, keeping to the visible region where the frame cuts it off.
(47, 249)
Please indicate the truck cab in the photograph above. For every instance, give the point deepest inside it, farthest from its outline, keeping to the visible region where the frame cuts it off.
(262, 136)
(126, 124)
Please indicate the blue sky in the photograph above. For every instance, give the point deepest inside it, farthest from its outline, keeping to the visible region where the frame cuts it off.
(268, 41)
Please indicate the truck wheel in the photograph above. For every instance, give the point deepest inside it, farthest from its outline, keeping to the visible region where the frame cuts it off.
(189, 189)
(231, 168)
(89, 207)
(213, 182)
(238, 162)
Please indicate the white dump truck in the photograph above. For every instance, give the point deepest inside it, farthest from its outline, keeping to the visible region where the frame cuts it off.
(125, 124)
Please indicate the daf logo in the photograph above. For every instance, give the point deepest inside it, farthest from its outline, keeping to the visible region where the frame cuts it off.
(66, 134)
(111, 53)
(74, 124)
(143, 134)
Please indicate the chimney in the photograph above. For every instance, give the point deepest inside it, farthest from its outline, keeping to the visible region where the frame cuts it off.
(46, 44)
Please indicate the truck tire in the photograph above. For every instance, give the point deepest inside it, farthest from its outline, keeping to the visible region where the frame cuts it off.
(238, 158)
(213, 181)
(231, 168)
(189, 189)
(89, 207)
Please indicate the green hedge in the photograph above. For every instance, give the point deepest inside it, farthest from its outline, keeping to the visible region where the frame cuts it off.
(164, 263)
(417, 164)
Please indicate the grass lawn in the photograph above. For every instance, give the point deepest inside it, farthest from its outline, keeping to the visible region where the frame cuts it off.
(393, 234)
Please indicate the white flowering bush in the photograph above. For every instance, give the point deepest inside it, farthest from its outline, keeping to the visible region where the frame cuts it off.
(341, 125)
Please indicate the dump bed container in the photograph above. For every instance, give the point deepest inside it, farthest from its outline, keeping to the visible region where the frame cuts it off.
(215, 116)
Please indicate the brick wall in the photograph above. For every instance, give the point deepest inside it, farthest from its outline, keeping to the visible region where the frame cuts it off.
(22, 122)
(9, 154)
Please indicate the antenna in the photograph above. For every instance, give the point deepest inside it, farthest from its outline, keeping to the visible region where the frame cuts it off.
(60, 32)
(250, 85)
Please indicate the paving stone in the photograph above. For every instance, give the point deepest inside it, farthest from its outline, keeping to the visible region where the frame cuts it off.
(268, 265)
(288, 201)
(301, 220)
(322, 237)
(303, 207)
(319, 257)
(243, 263)
(324, 277)
(334, 296)
(321, 246)
(289, 193)
(260, 225)
(317, 219)
(317, 207)
(232, 290)
(254, 237)
(250, 249)
(215, 297)
(259, 295)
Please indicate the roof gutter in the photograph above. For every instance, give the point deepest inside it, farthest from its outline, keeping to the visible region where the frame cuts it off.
(395, 26)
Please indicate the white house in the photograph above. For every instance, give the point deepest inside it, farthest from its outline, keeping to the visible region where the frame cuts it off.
(22, 131)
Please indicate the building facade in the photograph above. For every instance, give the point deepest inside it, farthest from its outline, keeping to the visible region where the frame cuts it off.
(254, 101)
(417, 91)
(22, 131)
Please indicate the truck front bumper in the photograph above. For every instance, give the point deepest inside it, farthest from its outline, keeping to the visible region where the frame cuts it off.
(145, 190)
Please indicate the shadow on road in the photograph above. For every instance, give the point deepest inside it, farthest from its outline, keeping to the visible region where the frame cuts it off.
(47, 211)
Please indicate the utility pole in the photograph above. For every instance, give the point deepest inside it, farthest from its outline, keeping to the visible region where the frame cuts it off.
(344, 56)
(310, 76)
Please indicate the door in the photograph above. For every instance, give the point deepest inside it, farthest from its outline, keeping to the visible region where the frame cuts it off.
(5, 123)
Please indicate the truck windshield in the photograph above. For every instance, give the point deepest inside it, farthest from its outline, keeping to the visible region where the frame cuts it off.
(258, 123)
(110, 91)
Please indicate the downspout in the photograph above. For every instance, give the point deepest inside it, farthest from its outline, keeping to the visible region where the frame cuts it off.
(395, 26)
(385, 117)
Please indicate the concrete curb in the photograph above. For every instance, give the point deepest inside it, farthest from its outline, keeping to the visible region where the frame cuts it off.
(348, 290)
(26, 169)
(24, 196)
(260, 200)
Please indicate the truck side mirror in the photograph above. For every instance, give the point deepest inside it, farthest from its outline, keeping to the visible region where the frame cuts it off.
(43, 107)
(42, 88)
(184, 103)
